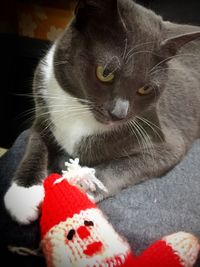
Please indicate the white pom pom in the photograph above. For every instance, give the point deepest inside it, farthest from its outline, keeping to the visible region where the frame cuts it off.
(82, 177)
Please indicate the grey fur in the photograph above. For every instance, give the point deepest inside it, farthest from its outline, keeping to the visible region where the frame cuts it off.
(142, 49)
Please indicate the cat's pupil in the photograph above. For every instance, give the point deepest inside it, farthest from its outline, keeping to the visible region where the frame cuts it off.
(106, 72)
(146, 88)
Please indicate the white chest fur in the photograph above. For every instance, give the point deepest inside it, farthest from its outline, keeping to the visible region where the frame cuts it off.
(72, 120)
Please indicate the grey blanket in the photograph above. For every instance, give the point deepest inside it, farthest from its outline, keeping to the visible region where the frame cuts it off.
(142, 213)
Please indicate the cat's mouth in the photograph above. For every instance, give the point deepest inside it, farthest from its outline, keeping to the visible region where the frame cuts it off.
(104, 118)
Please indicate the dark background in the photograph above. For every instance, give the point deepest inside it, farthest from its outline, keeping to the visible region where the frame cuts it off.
(19, 57)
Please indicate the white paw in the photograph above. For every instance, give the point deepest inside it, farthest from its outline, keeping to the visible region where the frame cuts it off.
(24, 203)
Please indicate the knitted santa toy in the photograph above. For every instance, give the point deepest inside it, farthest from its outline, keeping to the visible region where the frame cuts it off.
(75, 232)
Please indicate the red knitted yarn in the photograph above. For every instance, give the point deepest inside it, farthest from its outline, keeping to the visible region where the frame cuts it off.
(75, 232)
(159, 255)
(58, 205)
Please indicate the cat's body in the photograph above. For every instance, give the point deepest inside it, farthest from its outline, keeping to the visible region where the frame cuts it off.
(126, 134)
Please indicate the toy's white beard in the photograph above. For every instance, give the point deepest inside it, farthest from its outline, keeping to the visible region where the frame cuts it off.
(99, 246)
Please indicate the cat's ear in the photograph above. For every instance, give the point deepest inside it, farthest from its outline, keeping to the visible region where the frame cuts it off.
(90, 11)
(171, 46)
(108, 4)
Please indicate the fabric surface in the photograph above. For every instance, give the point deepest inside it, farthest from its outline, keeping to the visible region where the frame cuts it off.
(142, 214)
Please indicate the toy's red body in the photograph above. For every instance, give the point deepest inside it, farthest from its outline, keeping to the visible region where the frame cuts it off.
(75, 233)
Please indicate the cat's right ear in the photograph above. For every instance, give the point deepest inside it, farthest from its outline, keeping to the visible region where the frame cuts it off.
(89, 12)
(171, 46)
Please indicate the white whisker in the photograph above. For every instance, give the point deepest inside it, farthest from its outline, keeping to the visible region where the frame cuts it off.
(54, 96)
(163, 69)
(152, 126)
(142, 142)
(148, 143)
(136, 46)
(132, 128)
(169, 58)
(125, 49)
(62, 62)
(139, 52)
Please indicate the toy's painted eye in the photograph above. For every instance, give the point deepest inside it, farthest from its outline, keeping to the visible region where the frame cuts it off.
(106, 78)
(88, 223)
(145, 90)
(71, 234)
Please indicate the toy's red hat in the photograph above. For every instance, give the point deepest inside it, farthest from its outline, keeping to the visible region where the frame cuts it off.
(61, 201)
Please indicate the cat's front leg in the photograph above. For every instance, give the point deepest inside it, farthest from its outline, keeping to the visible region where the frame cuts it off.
(124, 172)
(25, 194)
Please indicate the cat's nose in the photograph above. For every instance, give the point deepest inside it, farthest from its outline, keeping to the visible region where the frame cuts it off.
(120, 109)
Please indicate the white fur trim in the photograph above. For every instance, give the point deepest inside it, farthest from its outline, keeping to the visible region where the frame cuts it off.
(186, 246)
(24, 203)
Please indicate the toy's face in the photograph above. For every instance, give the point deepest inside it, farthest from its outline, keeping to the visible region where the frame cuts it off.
(87, 239)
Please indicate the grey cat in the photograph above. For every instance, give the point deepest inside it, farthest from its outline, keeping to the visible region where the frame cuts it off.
(120, 90)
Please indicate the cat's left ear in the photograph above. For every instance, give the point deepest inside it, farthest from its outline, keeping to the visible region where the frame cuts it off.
(99, 4)
(95, 12)
(171, 46)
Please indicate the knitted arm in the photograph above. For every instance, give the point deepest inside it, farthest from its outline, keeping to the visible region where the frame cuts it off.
(177, 250)
(76, 233)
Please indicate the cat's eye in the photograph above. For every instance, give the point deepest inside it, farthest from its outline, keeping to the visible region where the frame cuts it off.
(102, 76)
(145, 90)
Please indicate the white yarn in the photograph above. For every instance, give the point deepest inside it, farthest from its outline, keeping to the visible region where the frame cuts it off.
(82, 177)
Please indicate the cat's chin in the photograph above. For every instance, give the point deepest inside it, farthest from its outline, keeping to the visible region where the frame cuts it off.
(112, 124)
(109, 123)
(115, 123)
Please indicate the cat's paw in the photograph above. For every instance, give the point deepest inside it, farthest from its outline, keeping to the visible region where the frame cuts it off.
(83, 177)
(24, 203)
(97, 196)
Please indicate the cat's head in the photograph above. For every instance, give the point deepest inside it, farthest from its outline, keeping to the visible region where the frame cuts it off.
(111, 55)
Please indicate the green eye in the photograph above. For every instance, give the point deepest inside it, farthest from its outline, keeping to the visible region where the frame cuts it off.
(101, 76)
(145, 90)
